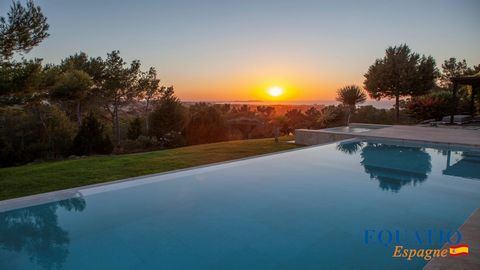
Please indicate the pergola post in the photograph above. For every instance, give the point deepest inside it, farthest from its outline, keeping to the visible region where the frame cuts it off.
(454, 102)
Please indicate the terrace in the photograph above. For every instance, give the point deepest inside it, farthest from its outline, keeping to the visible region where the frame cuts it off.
(438, 135)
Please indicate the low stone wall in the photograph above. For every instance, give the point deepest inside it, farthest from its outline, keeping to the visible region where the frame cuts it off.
(313, 137)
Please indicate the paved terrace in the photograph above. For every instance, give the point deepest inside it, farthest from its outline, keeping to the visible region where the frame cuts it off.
(470, 231)
(428, 134)
(454, 136)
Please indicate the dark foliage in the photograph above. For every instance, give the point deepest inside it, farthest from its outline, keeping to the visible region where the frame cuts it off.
(22, 29)
(35, 132)
(400, 73)
(206, 124)
(168, 119)
(432, 106)
(134, 129)
(90, 138)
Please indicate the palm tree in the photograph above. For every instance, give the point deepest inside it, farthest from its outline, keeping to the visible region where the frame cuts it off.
(350, 96)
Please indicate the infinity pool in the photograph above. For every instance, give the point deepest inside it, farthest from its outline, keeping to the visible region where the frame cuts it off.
(305, 209)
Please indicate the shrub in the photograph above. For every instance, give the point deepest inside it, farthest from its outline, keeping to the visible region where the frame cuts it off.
(30, 133)
(431, 106)
(134, 129)
(142, 143)
(90, 138)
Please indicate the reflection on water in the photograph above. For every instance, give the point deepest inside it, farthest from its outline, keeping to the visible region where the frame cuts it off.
(35, 232)
(468, 166)
(393, 166)
(350, 148)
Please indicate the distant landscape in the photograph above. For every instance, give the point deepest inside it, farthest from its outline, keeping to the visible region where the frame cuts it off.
(107, 104)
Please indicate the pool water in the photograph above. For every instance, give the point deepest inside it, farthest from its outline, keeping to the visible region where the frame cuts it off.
(304, 209)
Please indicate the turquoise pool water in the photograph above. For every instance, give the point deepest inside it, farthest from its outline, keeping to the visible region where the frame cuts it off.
(305, 209)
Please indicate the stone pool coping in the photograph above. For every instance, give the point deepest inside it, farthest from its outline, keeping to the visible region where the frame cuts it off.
(425, 135)
(470, 231)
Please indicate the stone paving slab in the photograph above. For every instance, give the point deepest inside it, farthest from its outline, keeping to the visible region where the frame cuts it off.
(470, 231)
(427, 134)
(419, 134)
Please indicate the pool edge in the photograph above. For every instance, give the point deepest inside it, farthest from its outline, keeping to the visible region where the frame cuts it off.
(62, 194)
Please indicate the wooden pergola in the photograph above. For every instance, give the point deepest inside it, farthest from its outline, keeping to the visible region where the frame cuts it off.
(472, 80)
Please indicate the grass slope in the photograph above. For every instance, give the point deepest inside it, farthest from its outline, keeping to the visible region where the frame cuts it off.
(49, 176)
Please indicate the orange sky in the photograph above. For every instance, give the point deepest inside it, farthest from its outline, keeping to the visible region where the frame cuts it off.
(299, 82)
(235, 50)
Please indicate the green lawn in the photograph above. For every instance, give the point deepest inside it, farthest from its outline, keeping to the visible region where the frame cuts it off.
(50, 176)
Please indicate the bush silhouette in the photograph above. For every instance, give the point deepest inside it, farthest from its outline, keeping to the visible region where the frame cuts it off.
(90, 138)
(135, 129)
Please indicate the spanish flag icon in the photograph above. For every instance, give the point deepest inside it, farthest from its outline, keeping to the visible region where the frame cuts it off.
(459, 250)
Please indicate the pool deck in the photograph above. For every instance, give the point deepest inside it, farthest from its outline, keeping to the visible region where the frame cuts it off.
(470, 231)
(435, 135)
(463, 137)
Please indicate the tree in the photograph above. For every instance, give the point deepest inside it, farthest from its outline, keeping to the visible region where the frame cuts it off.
(20, 82)
(452, 68)
(150, 89)
(90, 138)
(296, 119)
(266, 111)
(73, 87)
(168, 119)
(23, 29)
(135, 129)
(245, 125)
(331, 116)
(312, 116)
(119, 86)
(206, 124)
(350, 96)
(400, 73)
(93, 66)
(32, 132)
(370, 114)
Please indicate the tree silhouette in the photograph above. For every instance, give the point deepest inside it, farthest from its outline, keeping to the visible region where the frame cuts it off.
(350, 96)
(400, 73)
(168, 119)
(206, 124)
(23, 29)
(119, 86)
(149, 89)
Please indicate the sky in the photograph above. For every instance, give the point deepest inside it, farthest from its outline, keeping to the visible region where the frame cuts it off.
(235, 50)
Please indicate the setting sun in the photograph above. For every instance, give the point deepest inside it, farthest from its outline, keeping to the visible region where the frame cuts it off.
(275, 91)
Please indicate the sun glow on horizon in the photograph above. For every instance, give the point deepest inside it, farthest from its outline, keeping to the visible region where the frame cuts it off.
(275, 91)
